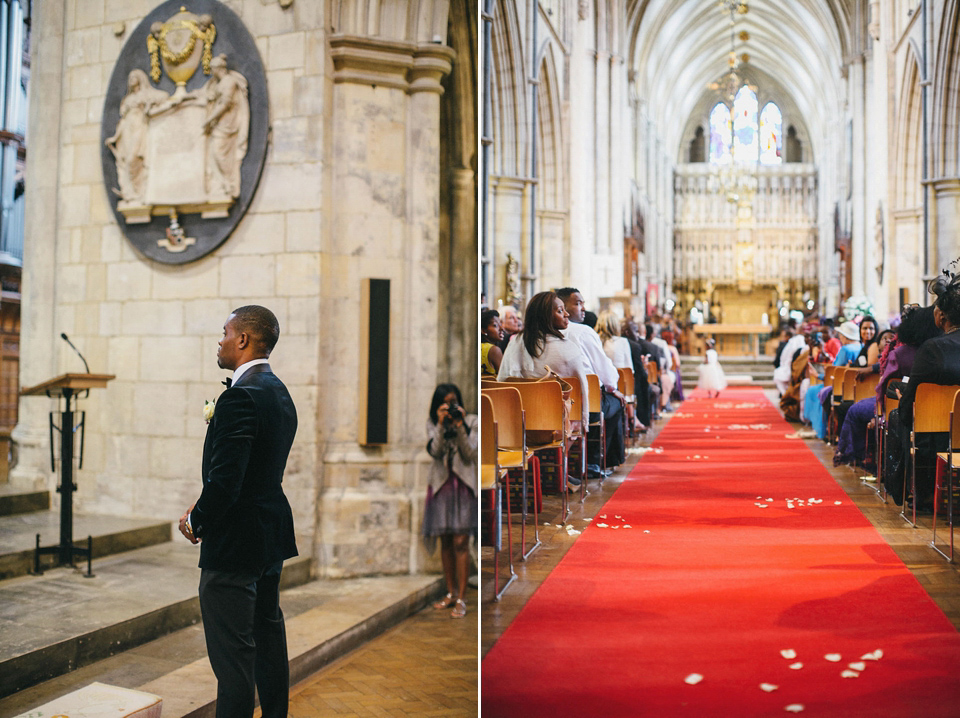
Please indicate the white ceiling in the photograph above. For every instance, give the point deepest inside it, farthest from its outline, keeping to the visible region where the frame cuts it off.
(678, 47)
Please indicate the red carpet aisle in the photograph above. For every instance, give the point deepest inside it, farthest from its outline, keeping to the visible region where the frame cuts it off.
(682, 573)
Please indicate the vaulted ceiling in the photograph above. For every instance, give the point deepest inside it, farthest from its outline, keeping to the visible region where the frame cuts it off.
(797, 48)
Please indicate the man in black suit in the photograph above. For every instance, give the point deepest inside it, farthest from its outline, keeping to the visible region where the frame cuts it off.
(243, 521)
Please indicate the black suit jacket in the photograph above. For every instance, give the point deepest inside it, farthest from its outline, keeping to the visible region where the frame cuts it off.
(937, 362)
(242, 515)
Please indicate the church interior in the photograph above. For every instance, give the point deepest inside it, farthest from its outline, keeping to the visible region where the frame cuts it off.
(722, 177)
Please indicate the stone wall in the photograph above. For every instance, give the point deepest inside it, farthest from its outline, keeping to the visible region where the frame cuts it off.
(349, 191)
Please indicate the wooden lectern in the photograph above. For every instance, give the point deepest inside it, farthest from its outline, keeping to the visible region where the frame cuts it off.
(68, 386)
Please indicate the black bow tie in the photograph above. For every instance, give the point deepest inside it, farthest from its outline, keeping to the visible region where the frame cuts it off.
(228, 382)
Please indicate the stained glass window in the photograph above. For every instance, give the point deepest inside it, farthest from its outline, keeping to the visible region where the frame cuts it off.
(720, 134)
(745, 141)
(771, 140)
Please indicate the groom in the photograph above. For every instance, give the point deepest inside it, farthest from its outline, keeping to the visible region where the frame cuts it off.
(244, 523)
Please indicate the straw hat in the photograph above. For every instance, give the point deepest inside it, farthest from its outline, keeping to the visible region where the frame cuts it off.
(850, 331)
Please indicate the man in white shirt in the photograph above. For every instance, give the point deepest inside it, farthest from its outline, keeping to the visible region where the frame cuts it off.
(668, 378)
(598, 363)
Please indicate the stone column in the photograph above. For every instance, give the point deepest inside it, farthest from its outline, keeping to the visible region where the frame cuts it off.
(947, 204)
(38, 350)
(383, 208)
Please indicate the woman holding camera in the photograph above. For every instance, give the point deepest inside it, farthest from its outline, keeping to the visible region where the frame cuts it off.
(451, 508)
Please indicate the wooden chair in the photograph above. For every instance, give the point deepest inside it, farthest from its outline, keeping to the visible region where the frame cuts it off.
(835, 400)
(931, 414)
(514, 454)
(595, 406)
(490, 477)
(948, 464)
(577, 432)
(865, 386)
(653, 379)
(881, 418)
(544, 416)
(626, 386)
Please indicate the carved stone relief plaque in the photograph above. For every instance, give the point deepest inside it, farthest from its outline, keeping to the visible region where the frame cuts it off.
(184, 130)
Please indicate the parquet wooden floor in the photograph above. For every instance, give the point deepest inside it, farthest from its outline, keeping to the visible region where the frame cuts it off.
(426, 666)
(939, 578)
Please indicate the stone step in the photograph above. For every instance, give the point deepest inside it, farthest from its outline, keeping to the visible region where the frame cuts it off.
(325, 619)
(110, 534)
(60, 621)
(13, 501)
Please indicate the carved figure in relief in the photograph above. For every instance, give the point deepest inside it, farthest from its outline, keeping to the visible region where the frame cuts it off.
(228, 128)
(129, 143)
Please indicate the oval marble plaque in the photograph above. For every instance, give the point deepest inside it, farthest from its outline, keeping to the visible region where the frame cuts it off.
(181, 163)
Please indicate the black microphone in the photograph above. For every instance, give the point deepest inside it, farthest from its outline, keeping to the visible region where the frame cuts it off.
(63, 335)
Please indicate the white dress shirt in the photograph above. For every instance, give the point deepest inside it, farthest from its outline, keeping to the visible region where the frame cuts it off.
(599, 363)
(241, 370)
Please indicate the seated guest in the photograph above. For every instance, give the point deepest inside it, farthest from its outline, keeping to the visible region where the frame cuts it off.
(617, 348)
(647, 395)
(541, 344)
(818, 397)
(599, 364)
(869, 354)
(937, 362)
(669, 337)
(667, 376)
(490, 337)
(510, 323)
(782, 373)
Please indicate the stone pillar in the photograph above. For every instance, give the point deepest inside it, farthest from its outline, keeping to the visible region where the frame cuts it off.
(947, 204)
(384, 207)
(38, 355)
(462, 342)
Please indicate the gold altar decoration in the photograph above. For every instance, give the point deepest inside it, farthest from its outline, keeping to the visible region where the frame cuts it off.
(175, 44)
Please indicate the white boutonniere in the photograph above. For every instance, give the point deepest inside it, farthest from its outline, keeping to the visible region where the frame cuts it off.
(208, 407)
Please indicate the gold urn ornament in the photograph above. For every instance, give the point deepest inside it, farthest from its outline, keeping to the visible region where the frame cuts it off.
(180, 45)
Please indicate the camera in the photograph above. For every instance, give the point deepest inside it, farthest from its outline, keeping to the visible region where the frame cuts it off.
(454, 412)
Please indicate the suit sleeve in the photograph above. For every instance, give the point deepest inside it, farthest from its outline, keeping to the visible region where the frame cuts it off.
(925, 370)
(234, 428)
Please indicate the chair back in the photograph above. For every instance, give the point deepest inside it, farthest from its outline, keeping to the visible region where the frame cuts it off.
(488, 445)
(866, 387)
(576, 397)
(955, 424)
(542, 404)
(626, 385)
(508, 413)
(931, 408)
(849, 384)
(595, 400)
(828, 373)
(489, 383)
(653, 371)
(837, 396)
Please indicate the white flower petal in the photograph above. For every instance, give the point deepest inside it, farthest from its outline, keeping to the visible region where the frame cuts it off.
(875, 656)
(833, 657)
(796, 666)
(857, 665)
(627, 526)
(788, 653)
(794, 708)
(837, 503)
(768, 687)
(693, 679)
(646, 531)
(850, 674)
(601, 525)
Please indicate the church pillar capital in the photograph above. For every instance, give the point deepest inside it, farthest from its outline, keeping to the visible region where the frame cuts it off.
(946, 186)
(407, 66)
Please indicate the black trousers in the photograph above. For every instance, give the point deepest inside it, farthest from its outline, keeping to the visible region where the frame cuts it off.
(246, 641)
(613, 417)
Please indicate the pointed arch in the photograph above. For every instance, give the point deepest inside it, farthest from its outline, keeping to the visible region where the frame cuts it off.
(946, 95)
(550, 161)
(507, 90)
(909, 189)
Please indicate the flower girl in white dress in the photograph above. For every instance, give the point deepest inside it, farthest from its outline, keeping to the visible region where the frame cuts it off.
(711, 376)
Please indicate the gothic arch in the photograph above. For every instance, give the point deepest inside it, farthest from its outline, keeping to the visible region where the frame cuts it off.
(946, 95)
(909, 189)
(550, 156)
(507, 92)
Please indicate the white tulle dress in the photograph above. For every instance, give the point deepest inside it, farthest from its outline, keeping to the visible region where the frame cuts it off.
(711, 376)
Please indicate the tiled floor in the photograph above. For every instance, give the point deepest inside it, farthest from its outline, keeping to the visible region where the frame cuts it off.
(939, 578)
(426, 666)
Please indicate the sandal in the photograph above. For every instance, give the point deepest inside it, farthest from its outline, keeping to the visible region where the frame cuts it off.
(444, 602)
(459, 609)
